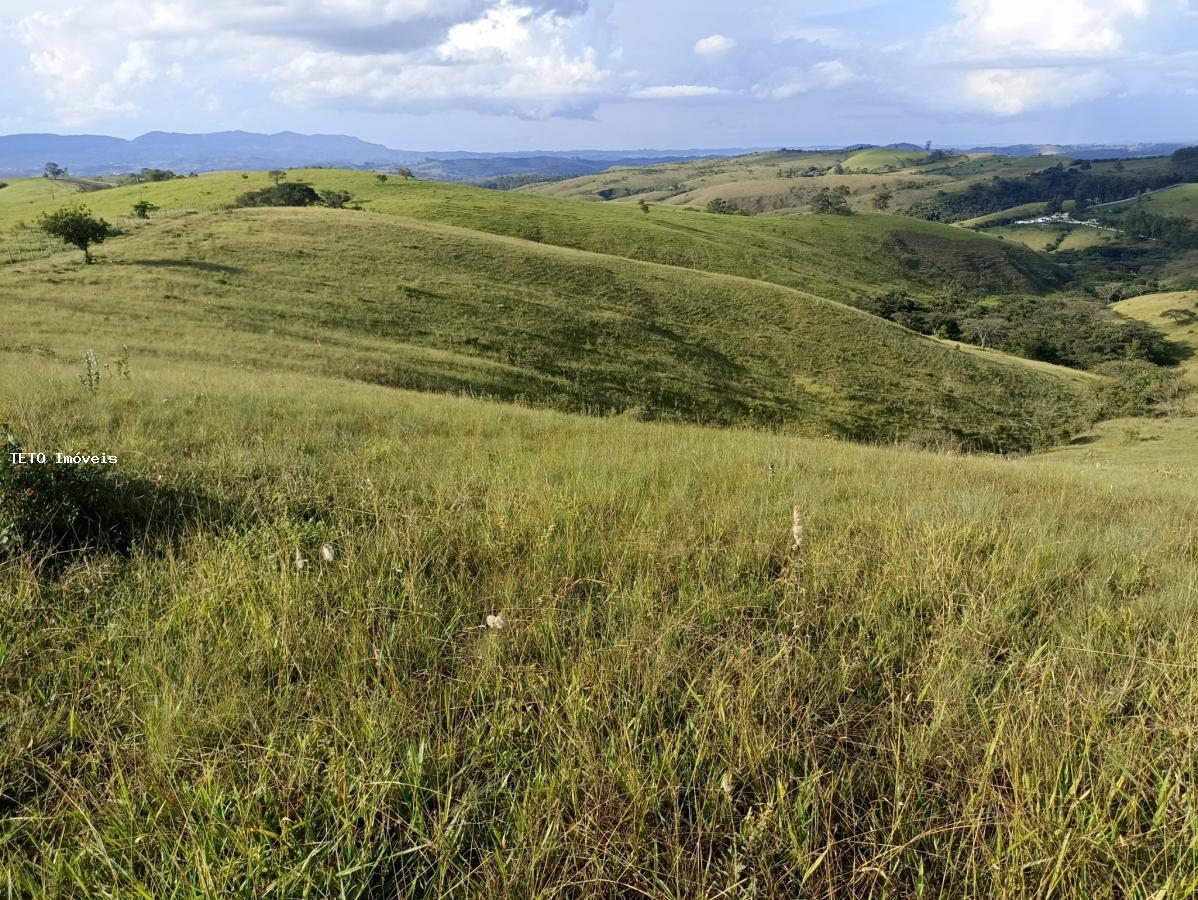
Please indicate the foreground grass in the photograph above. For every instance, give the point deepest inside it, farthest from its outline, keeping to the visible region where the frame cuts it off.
(974, 678)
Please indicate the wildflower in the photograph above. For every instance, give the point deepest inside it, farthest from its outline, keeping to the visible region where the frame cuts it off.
(797, 528)
(326, 553)
(300, 562)
(495, 621)
(726, 784)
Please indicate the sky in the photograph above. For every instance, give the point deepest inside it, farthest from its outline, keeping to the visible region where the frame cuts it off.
(608, 74)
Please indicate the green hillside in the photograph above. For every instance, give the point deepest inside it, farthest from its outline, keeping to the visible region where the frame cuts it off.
(831, 256)
(786, 181)
(316, 634)
(1181, 200)
(971, 678)
(395, 301)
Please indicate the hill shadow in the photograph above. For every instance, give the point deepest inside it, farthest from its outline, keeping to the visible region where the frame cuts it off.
(187, 264)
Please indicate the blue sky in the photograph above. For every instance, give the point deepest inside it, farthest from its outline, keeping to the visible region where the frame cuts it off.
(560, 74)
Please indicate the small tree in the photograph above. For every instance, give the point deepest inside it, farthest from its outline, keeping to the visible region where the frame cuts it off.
(882, 199)
(335, 199)
(985, 330)
(645, 207)
(76, 226)
(832, 201)
(54, 170)
(405, 173)
(143, 208)
(382, 177)
(276, 175)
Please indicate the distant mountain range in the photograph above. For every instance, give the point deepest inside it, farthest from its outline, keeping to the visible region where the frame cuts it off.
(85, 154)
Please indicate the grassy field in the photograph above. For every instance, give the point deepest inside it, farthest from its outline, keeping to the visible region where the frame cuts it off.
(754, 183)
(404, 303)
(1165, 447)
(973, 677)
(831, 256)
(1181, 200)
(350, 640)
(1054, 238)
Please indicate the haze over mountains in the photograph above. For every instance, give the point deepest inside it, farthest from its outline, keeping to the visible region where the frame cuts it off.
(26, 154)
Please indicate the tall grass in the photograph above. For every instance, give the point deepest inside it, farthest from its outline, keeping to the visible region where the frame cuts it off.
(975, 678)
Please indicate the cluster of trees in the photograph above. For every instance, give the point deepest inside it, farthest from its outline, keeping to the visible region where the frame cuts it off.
(294, 193)
(1076, 331)
(722, 207)
(1077, 182)
(832, 201)
(1176, 232)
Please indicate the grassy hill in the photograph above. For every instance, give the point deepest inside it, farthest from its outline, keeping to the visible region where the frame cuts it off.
(396, 301)
(317, 635)
(1181, 200)
(786, 181)
(834, 257)
(972, 677)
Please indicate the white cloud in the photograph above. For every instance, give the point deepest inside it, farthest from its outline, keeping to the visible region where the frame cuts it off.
(714, 45)
(1032, 28)
(1009, 92)
(791, 82)
(525, 57)
(676, 91)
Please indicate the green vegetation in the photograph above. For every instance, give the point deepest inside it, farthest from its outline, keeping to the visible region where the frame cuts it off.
(315, 635)
(293, 193)
(409, 304)
(75, 225)
(929, 696)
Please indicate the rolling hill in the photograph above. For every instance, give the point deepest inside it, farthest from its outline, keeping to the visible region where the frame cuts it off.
(408, 303)
(834, 257)
(319, 634)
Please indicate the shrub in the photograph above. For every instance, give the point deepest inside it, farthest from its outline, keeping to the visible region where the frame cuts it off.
(722, 207)
(294, 193)
(1135, 387)
(47, 507)
(335, 199)
(76, 225)
(143, 208)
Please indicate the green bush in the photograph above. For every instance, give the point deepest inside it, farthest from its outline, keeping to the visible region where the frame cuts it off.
(294, 193)
(46, 507)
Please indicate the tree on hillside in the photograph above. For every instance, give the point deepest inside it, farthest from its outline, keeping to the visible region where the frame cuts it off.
(985, 330)
(276, 175)
(1185, 163)
(335, 199)
(53, 170)
(143, 208)
(382, 177)
(645, 207)
(405, 173)
(297, 193)
(832, 201)
(882, 199)
(76, 226)
(722, 207)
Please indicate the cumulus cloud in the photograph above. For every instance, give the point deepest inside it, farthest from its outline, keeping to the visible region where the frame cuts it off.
(1009, 92)
(792, 81)
(524, 57)
(1024, 55)
(714, 45)
(1032, 28)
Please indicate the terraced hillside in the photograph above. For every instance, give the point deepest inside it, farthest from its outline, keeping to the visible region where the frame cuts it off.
(395, 301)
